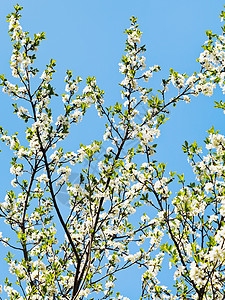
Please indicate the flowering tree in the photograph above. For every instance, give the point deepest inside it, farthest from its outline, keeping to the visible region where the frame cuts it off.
(101, 237)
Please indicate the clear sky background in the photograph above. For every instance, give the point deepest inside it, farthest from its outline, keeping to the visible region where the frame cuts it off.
(87, 37)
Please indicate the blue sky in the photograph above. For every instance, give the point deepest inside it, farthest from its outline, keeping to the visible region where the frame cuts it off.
(87, 37)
